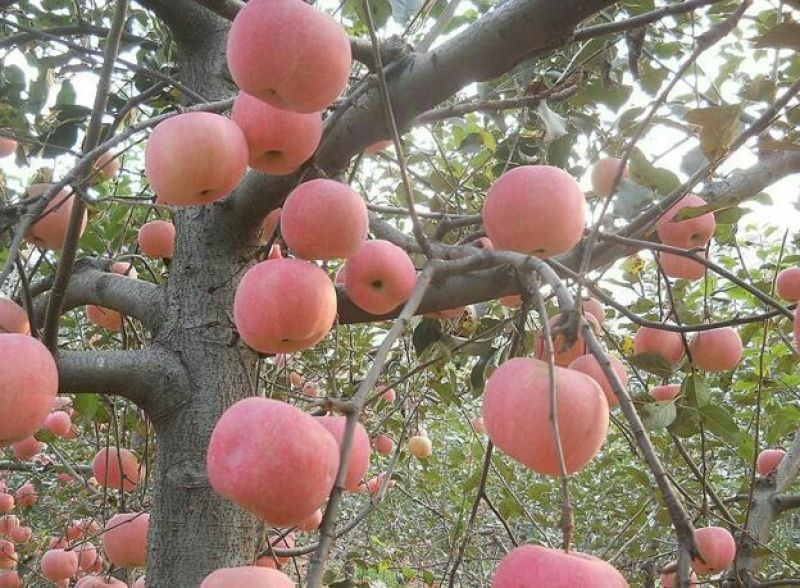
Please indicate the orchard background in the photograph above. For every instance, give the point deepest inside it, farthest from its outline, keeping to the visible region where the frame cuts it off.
(695, 96)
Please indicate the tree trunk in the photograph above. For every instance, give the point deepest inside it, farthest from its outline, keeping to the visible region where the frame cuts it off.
(193, 530)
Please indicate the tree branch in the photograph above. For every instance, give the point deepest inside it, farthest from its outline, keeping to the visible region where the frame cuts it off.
(93, 283)
(153, 378)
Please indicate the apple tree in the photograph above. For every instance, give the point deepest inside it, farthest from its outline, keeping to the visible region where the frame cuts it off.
(392, 292)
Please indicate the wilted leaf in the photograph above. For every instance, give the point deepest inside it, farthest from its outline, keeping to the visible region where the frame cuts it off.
(720, 124)
(785, 35)
(426, 334)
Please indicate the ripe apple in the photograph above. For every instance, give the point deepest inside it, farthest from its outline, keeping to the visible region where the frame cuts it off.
(516, 405)
(667, 344)
(689, 233)
(28, 384)
(59, 564)
(250, 576)
(8, 523)
(603, 173)
(595, 308)
(717, 547)
(124, 268)
(125, 539)
(668, 580)
(9, 580)
(87, 554)
(716, 350)
(379, 277)
(117, 468)
(420, 446)
(104, 317)
(94, 581)
(374, 484)
(278, 141)
(384, 444)
(324, 219)
(535, 209)
(7, 502)
(7, 146)
(787, 284)
(269, 560)
(107, 166)
(50, 230)
(28, 448)
(563, 357)
(21, 535)
(312, 522)
(358, 463)
(195, 158)
(310, 389)
(26, 495)
(666, 392)
(8, 555)
(768, 460)
(479, 425)
(589, 365)
(676, 266)
(289, 54)
(533, 565)
(272, 459)
(157, 239)
(284, 305)
(13, 318)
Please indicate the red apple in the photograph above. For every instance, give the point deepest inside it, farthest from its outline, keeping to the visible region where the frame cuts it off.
(7, 146)
(589, 365)
(716, 350)
(58, 423)
(284, 305)
(787, 284)
(157, 239)
(667, 392)
(358, 463)
(50, 231)
(28, 448)
(26, 495)
(676, 266)
(125, 539)
(107, 165)
(117, 468)
(563, 357)
(289, 54)
(9, 580)
(667, 344)
(595, 308)
(535, 209)
(272, 459)
(13, 318)
(768, 460)
(59, 564)
(535, 566)
(279, 141)
(104, 317)
(8, 555)
(195, 158)
(689, 233)
(312, 522)
(379, 277)
(603, 173)
(668, 580)
(250, 576)
(324, 219)
(28, 385)
(717, 547)
(516, 405)
(384, 444)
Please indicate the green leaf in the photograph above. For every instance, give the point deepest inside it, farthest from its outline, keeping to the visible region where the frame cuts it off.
(427, 333)
(695, 390)
(658, 415)
(653, 363)
(687, 423)
(719, 421)
(644, 173)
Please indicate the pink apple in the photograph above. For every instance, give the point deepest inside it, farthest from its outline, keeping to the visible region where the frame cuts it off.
(379, 277)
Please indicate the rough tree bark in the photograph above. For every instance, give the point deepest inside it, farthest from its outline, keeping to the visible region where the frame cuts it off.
(198, 364)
